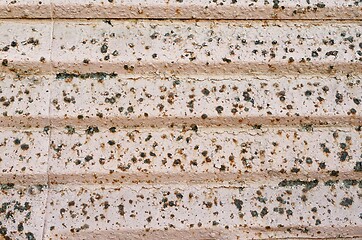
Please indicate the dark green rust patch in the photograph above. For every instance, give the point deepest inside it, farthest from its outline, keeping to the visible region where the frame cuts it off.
(96, 75)
(238, 203)
(6, 186)
(346, 202)
(291, 183)
(358, 167)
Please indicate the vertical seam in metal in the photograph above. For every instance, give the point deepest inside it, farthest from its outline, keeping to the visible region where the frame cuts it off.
(50, 86)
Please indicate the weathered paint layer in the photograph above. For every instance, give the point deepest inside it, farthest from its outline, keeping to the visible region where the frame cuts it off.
(164, 101)
(207, 47)
(197, 126)
(182, 47)
(241, 211)
(24, 100)
(191, 154)
(182, 9)
(22, 211)
(23, 156)
(25, 46)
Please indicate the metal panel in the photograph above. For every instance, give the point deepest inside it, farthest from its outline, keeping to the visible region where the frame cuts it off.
(182, 9)
(217, 128)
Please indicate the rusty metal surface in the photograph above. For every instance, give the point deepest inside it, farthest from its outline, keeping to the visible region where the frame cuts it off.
(180, 129)
(182, 9)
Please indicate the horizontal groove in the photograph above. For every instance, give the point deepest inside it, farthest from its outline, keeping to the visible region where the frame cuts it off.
(357, 236)
(169, 179)
(119, 179)
(257, 122)
(214, 233)
(17, 123)
(29, 68)
(206, 68)
(186, 19)
(23, 179)
(109, 21)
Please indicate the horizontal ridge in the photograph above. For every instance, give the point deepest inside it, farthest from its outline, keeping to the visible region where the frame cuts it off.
(178, 9)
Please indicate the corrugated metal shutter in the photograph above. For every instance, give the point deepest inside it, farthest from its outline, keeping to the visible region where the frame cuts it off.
(180, 119)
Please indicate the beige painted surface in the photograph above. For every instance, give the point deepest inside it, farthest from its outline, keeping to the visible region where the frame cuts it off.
(182, 9)
(180, 129)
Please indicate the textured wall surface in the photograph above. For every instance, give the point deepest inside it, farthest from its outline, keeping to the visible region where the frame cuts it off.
(180, 119)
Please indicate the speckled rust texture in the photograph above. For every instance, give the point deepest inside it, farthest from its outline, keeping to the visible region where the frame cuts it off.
(180, 119)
